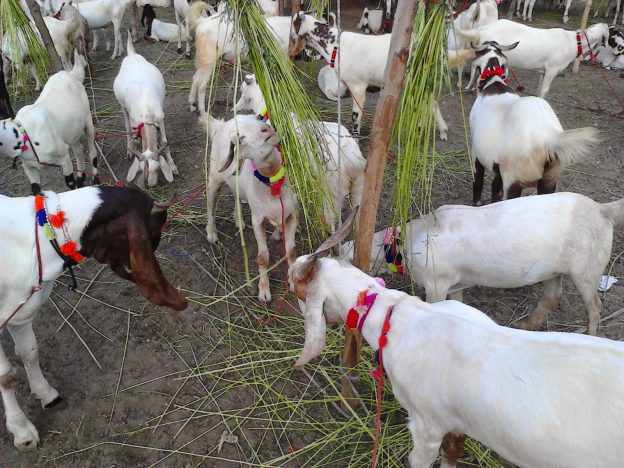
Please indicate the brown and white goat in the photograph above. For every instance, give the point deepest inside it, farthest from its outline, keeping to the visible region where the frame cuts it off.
(117, 226)
(517, 137)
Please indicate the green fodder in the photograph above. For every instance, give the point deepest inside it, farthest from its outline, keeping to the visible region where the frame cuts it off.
(292, 113)
(21, 39)
(414, 127)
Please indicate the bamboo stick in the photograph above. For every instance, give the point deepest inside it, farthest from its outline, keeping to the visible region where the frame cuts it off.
(375, 167)
(577, 62)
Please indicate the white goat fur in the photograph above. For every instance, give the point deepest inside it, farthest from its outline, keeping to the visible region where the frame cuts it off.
(341, 181)
(520, 137)
(370, 22)
(606, 58)
(269, 7)
(328, 83)
(356, 74)
(55, 122)
(456, 371)
(549, 51)
(214, 38)
(140, 89)
(256, 142)
(167, 32)
(100, 14)
(511, 244)
(478, 14)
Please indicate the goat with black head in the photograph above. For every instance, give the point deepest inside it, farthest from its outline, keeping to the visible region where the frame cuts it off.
(43, 235)
(517, 137)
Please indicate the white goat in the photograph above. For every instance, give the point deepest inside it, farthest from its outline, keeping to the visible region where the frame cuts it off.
(214, 38)
(258, 165)
(527, 11)
(100, 14)
(269, 7)
(140, 89)
(478, 14)
(370, 22)
(347, 179)
(511, 244)
(167, 32)
(517, 137)
(63, 34)
(42, 133)
(538, 399)
(115, 226)
(356, 74)
(609, 60)
(549, 51)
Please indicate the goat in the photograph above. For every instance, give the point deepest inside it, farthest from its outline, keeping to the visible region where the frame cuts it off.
(478, 14)
(379, 20)
(549, 51)
(140, 89)
(511, 244)
(568, 3)
(167, 32)
(42, 133)
(527, 11)
(259, 163)
(63, 34)
(341, 181)
(101, 13)
(214, 38)
(116, 226)
(616, 41)
(537, 399)
(609, 60)
(330, 86)
(518, 138)
(355, 73)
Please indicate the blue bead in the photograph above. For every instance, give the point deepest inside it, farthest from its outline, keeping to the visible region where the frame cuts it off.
(41, 217)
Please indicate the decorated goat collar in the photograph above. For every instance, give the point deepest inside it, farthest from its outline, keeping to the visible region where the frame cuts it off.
(334, 54)
(394, 258)
(364, 303)
(68, 251)
(263, 115)
(23, 146)
(490, 72)
(274, 182)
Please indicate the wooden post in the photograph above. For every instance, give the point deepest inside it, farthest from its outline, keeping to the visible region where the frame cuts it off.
(296, 6)
(45, 35)
(375, 167)
(577, 62)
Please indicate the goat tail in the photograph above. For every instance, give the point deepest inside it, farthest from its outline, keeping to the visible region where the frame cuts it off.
(460, 57)
(572, 145)
(129, 44)
(614, 211)
(212, 125)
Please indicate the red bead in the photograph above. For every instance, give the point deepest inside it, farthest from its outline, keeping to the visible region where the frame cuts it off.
(383, 341)
(57, 219)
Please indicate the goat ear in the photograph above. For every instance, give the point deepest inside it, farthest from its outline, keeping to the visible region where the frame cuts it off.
(341, 234)
(315, 329)
(145, 269)
(230, 157)
(134, 169)
(166, 170)
(505, 48)
(249, 79)
(297, 20)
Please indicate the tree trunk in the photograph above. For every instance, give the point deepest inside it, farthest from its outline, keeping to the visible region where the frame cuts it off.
(45, 35)
(375, 167)
(296, 6)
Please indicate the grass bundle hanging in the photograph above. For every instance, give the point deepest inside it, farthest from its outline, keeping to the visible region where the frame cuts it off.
(19, 35)
(414, 128)
(292, 113)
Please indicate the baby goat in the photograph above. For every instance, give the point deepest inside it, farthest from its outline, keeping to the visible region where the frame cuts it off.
(116, 226)
(42, 133)
(140, 90)
(519, 138)
(341, 181)
(511, 244)
(537, 399)
(262, 183)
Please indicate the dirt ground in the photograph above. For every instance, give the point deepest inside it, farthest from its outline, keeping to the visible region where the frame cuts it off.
(145, 386)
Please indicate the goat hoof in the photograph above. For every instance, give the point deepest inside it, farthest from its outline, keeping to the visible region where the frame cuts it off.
(264, 296)
(443, 136)
(53, 403)
(179, 49)
(26, 438)
(188, 56)
(211, 235)
(477, 203)
(96, 180)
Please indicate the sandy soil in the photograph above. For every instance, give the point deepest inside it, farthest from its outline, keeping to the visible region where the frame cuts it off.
(146, 355)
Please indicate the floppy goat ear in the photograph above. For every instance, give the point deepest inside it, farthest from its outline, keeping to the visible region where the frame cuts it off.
(315, 328)
(146, 272)
(230, 157)
(297, 21)
(340, 235)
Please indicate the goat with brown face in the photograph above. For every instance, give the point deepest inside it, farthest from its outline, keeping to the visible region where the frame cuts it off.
(117, 226)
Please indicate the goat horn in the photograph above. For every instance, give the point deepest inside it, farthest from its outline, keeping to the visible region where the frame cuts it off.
(504, 48)
(341, 234)
(159, 207)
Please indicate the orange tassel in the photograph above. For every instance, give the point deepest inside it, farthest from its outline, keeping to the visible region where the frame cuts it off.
(39, 202)
(57, 219)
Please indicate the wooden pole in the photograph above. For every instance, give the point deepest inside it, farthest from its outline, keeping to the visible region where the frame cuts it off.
(45, 35)
(577, 62)
(375, 167)
(296, 6)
